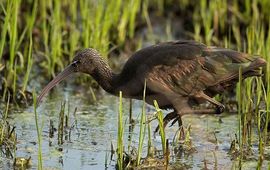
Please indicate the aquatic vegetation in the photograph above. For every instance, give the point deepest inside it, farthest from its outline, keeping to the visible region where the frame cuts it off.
(39, 134)
(120, 138)
(142, 127)
(40, 37)
(22, 163)
(60, 33)
(161, 127)
(60, 136)
(8, 138)
(133, 157)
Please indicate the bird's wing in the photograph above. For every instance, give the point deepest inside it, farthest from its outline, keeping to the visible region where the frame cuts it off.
(185, 77)
(188, 68)
(231, 62)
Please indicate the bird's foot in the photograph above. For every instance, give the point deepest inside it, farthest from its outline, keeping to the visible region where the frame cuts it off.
(220, 109)
(167, 119)
(177, 119)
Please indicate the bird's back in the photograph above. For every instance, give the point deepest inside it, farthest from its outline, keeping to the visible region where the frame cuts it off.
(183, 66)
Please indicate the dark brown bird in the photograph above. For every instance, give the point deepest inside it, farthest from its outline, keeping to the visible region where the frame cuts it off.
(176, 74)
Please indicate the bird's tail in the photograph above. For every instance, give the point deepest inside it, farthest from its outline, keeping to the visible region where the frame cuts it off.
(254, 68)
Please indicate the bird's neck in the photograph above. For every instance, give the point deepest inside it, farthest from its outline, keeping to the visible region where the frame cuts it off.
(105, 77)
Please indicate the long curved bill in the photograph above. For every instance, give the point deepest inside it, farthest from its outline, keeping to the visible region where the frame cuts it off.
(61, 76)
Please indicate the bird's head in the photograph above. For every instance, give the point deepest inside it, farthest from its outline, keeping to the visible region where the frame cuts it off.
(85, 61)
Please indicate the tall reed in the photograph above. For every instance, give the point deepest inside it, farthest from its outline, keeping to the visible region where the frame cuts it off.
(120, 138)
(30, 25)
(39, 133)
(161, 127)
(142, 127)
(4, 29)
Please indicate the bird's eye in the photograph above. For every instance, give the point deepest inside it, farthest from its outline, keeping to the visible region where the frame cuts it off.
(75, 63)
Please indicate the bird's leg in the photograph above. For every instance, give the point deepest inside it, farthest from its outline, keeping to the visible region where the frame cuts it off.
(183, 107)
(220, 107)
(170, 116)
(177, 119)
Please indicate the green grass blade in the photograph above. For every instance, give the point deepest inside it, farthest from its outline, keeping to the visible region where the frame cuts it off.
(120, 145)
(142, 128)
(161, 126)
(40, 167)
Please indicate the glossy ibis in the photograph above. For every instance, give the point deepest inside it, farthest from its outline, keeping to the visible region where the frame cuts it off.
(177, 74)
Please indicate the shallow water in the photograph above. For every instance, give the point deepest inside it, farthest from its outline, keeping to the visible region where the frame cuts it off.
(95, 128)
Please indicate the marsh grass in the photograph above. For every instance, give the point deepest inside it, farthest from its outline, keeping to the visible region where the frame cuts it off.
(211, 25)
(126, 159)
(13, 33)
(62, 28)
(64, 127)
(55, 30)
(142, 127)
(3, 128)
(75, 24)
(30, 24)
(4, 30)
(56, 38)
(161, 127)
(254, 96)
(61, 123)
(120, 138)
(131, 125)
(182, 143)
(39, 133)
(239, 97)
(8, 137)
